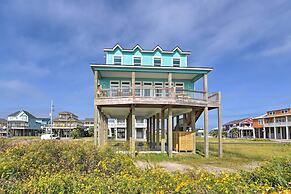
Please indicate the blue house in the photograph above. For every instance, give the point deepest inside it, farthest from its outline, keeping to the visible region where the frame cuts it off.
(23, 123)
(156, 85)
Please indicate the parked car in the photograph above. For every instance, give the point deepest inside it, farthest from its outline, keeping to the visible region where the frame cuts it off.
(49, 136)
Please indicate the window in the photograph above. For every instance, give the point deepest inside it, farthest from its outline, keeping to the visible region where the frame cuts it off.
(260, 121)
(157, 61)
(120, 133)
(114, 87)
(176, 62)
(179, 87)
(280, 119)
(125, 85)
(158, 88)
(137, 61)
(284, 111)
(117, 60)
(147, 88)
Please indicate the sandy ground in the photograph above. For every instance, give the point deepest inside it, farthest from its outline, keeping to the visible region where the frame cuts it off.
(174, 166)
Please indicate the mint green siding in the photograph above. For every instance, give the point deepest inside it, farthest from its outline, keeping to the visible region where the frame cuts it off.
(147, 57)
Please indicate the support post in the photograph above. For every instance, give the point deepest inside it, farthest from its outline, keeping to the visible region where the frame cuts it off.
(205, 90)
(170, 132)
(163, 139)
(158, 130)
(287, 128)
(96, 128)
(150, 132)
(193, 120)
(101, 140)
(127, 128)
(275, 132)
(254, 133)
(220, 151)
(177, 122)
(154, 132)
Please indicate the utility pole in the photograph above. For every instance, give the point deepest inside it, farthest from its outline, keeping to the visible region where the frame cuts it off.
(51, 115)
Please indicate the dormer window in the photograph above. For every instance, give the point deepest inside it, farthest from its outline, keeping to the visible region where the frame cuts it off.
(157, 61)
(117, 60)
(176, 62)
(137, 61)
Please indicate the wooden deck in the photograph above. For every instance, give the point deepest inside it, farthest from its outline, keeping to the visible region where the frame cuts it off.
(157, 96)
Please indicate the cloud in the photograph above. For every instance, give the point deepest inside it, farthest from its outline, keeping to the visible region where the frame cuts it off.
(26, 69)
(18, 89)
(283, 48)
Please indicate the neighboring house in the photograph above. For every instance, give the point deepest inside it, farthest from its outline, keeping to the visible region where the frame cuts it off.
(275, 124)
(242, 128)
(3, 127)
(200, 133)
(117, 129)
(23, 123)
(88, 123)
(65, 123)
(44, 122)
(156, 85)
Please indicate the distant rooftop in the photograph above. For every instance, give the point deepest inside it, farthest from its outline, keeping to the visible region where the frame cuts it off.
(17, 113)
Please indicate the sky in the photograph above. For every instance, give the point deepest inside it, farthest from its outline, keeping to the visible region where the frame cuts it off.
(46, 48)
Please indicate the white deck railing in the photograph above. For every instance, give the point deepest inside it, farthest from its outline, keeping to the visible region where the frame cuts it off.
(156, 92)
(278, 124)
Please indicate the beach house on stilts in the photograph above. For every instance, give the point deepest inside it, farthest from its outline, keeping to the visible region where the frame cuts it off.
(156, 85)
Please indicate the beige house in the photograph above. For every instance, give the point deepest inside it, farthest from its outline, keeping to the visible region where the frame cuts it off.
(65, 123)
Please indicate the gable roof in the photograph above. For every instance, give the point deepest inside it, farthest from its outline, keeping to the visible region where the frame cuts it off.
(14, 114)
(148, 51)
(69, 113)
(244, 120)
(18, 112)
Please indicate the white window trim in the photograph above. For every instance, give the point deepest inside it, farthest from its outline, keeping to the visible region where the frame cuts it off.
(147, 83)
(121, 56)
(180, 58)
(140, 60)
(159, 83)
(183, 86)
(115, 81)
(157, 57)
(139, 82)
(128, 83)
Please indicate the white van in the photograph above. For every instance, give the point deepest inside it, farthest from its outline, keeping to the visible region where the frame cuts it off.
(49, 136)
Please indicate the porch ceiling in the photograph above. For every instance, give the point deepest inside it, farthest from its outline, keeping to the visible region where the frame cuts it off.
(122, 112)
(190, 73)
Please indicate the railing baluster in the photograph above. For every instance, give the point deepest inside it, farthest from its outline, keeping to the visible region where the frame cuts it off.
(145, 92)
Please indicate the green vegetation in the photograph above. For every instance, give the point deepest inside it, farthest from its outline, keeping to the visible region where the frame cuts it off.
(77, 167)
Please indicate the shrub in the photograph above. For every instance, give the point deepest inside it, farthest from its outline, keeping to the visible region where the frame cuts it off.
(76, 167)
